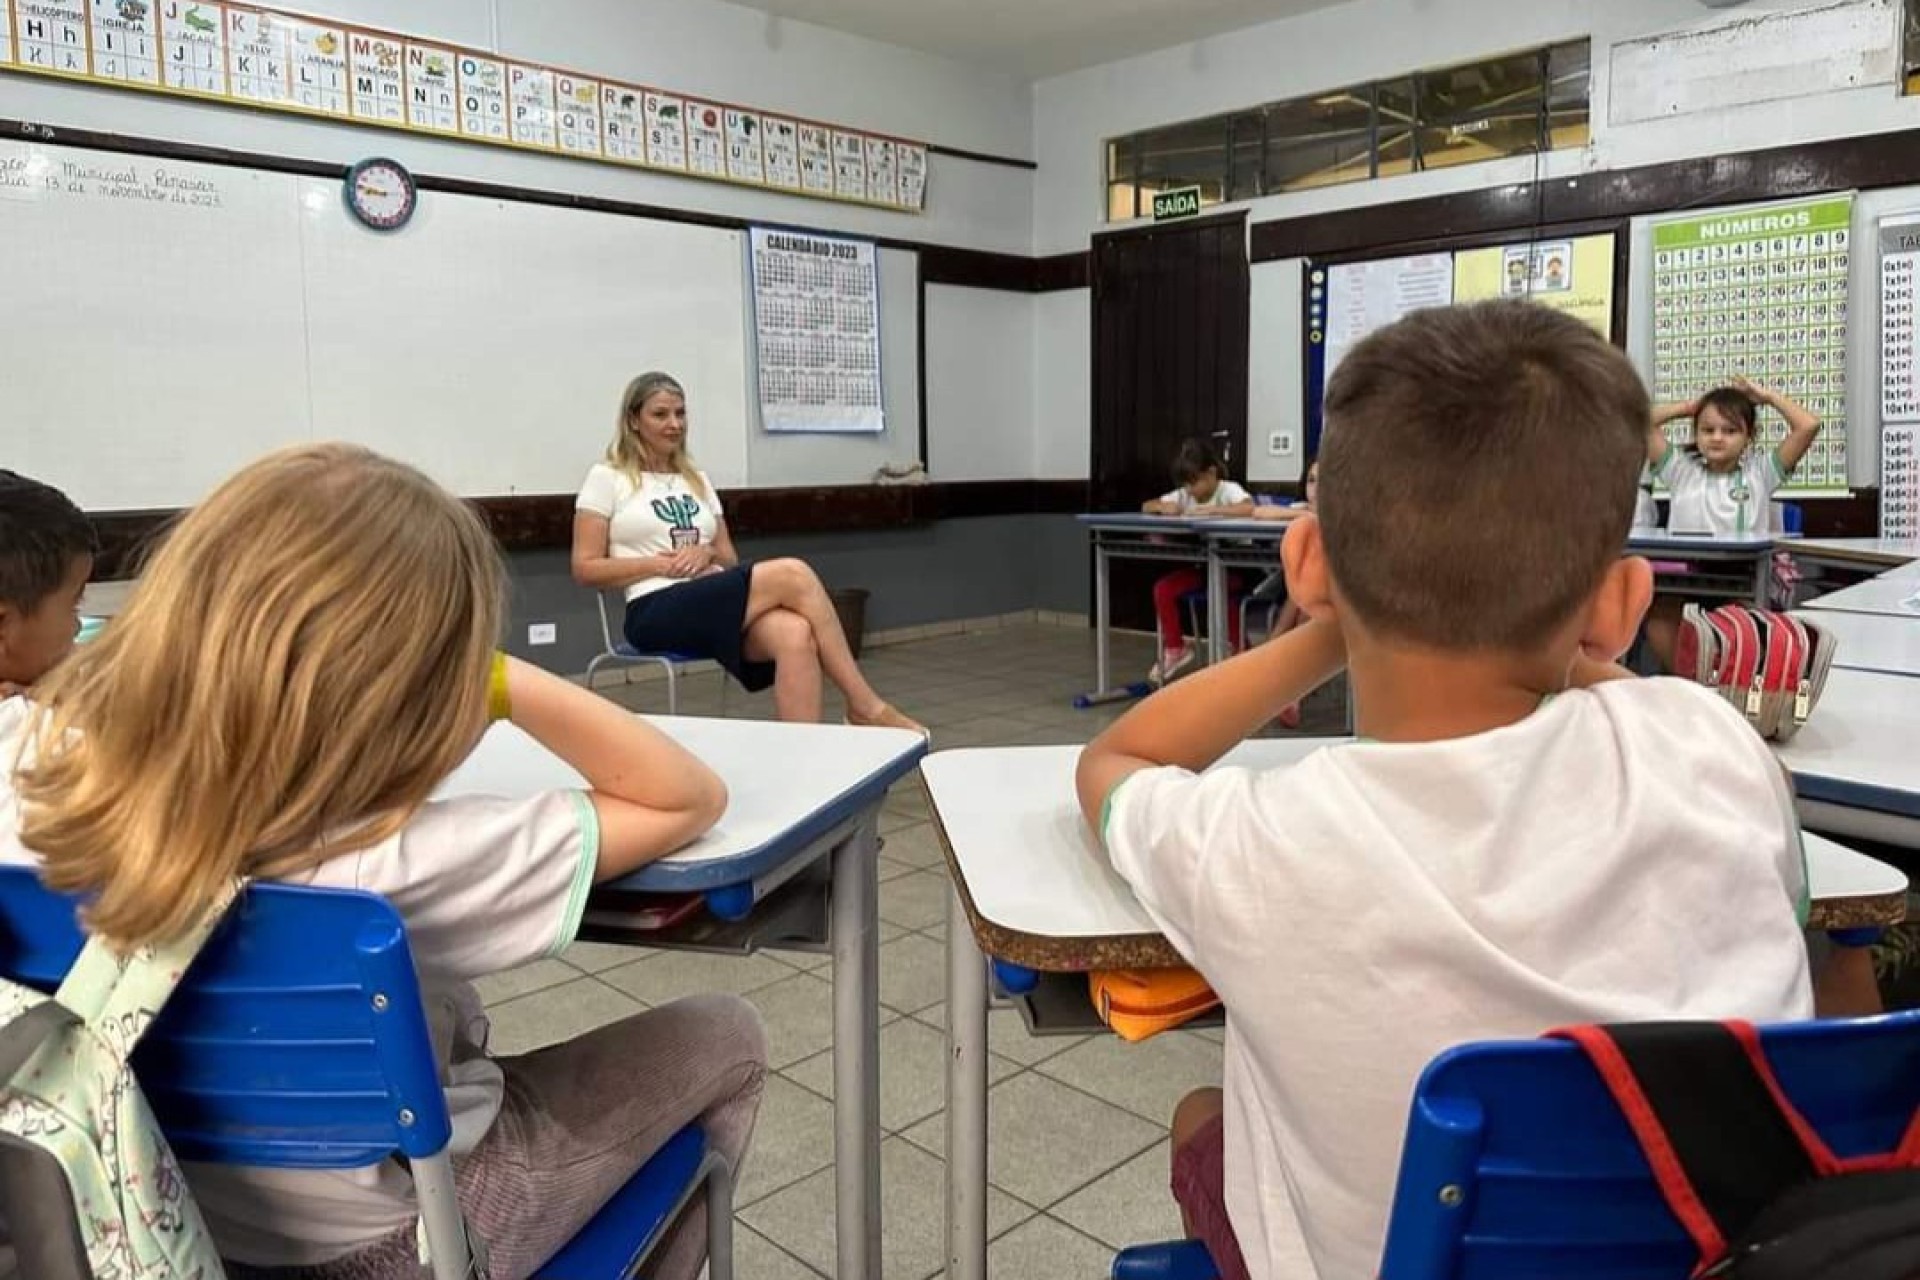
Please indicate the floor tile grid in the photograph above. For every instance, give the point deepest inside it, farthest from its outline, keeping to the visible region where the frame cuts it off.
(992, 688)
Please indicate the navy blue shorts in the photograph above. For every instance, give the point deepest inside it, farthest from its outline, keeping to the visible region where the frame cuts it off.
(700, 618)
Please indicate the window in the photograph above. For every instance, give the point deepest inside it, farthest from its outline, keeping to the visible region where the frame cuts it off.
(1514, 104)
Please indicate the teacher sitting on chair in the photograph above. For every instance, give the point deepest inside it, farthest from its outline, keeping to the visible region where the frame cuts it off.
(647, 520)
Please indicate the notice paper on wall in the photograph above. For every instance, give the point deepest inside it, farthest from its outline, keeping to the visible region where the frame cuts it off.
(1900, 481)
(1899, 376)
(1364, 296)
(1574, 276)
(816, 319)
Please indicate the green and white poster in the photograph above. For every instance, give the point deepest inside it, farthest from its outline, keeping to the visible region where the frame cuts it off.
(1761, 293)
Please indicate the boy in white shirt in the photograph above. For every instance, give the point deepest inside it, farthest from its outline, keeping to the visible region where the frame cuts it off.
(1522, 837)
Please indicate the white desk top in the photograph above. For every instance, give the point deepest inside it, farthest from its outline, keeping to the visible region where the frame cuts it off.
(1888, 552)
(1031, 866)
(1895, 594)
(1872, 641)
(1858, 748)
(787, 784)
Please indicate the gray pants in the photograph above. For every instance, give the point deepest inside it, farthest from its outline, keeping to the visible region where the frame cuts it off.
(579, 1120)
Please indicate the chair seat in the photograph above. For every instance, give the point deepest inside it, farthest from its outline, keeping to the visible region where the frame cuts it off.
(622, 649)
(1168, 1260)
(612, 1242)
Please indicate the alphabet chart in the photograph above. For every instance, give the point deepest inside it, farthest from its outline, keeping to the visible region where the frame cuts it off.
(816, 318)
(262, 58)
(1760, 293)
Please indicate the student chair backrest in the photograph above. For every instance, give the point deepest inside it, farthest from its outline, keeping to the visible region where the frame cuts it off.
(297, 1039)
(1518, 1163)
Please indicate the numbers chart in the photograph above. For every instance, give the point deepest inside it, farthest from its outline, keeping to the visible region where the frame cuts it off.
(1759, 293)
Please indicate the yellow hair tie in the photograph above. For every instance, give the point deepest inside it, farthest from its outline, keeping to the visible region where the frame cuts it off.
(499, 706)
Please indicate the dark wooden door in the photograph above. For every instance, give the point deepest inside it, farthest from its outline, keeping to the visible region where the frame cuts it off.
(1169, 362)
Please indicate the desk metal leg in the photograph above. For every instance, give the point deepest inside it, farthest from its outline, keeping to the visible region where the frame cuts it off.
(1102, 618)
(966, 1099)
(1217, 607)
(856, 1049)
(1762, 579)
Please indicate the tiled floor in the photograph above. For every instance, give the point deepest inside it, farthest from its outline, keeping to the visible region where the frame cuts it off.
(1077, 1154)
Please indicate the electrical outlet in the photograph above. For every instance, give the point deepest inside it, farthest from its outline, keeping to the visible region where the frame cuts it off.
(1280, 443)
(542, 633)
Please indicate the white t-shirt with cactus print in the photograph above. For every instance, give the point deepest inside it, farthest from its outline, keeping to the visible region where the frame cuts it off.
(656, 517)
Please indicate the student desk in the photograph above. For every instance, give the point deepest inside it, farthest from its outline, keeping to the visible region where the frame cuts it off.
(1872, 641)
(800, 793)
(1870, 554)
(1133, 535)
(1855, 770)
(1895, 594)
(1750, 554)
(1032, 887)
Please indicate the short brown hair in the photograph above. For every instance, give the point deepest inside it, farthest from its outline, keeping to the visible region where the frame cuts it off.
(1478, 471)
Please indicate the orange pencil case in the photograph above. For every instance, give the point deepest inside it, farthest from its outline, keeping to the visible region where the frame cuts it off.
(1137, 1003)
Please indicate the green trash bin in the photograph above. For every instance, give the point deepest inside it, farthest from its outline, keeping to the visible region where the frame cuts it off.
(851, 604)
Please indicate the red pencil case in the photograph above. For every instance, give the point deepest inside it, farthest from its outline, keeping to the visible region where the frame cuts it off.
(1771, 666)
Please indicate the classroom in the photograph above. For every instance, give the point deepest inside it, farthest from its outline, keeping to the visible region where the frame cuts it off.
(613, 604)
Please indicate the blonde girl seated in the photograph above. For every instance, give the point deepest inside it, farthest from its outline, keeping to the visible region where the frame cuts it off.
(306, 659)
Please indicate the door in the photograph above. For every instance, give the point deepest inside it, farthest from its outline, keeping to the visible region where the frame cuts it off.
(1170, 336)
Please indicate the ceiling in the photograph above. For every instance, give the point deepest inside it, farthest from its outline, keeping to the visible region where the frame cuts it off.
(1037, 38)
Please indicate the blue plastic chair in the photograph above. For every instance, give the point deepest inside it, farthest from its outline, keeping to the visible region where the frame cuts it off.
(1518, 1164)
(298, 1041)
(614, 648)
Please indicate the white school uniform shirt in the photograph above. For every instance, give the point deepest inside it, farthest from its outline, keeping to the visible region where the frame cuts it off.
(655, 517)
(1721, 502)
(1626, 852)
(1225, 494)
(483, 885)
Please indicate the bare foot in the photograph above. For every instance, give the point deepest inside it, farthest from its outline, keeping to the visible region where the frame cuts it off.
(885, 716)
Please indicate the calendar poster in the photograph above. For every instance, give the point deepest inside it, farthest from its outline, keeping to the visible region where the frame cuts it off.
(816, 314)
(1759, 292)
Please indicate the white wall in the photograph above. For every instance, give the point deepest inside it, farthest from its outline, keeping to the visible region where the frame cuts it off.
(1075, 114)
(1063, 384)
(1370, 39)
(693, 46)
(980, 392)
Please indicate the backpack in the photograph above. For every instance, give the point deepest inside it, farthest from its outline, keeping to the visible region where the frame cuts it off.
(67, 1092)
(1758, 1190)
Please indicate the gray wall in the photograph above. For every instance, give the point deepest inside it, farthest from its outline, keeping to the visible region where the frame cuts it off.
(949, 570)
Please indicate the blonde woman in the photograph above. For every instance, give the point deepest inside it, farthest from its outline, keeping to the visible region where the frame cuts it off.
(306, 658)
(649, 523)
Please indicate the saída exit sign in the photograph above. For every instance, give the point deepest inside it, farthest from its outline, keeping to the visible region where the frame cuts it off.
(1181, 202)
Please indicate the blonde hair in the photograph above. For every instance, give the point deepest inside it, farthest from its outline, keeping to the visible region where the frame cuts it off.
(625, 454)
(303, 661)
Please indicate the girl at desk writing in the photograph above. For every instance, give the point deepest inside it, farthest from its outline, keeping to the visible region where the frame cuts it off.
(306, 659)
(1200, 489)
(1721, 485)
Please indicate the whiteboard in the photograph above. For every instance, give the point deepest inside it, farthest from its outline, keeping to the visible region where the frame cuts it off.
(163, 343)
